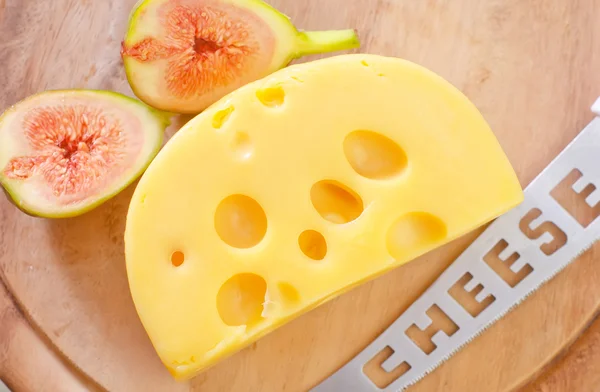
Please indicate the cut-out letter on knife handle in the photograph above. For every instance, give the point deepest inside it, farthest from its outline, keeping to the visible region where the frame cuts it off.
(501, 266)
(378, 375)
(467, 297)
(556, 237)
(579, 197)
(440, 322)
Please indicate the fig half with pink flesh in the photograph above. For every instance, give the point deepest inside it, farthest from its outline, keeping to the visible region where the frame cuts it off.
(63, 153)
(183, 55)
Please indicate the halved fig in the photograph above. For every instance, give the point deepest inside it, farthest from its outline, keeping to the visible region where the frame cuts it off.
(183, 55)
(65, 152)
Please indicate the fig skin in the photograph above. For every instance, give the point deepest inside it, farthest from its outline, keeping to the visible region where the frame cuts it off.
(146, 57)
(162, 121)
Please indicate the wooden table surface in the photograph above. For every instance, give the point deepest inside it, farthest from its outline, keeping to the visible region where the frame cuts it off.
(530, 66)
(578, 369)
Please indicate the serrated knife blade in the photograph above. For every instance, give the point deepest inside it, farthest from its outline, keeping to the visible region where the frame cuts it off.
(513, 257)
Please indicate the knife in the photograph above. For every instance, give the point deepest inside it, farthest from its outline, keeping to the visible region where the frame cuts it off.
(3, 387)
(513, 257)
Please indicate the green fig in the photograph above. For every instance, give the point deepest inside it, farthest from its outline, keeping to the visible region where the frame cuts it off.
(183, 55)
(65, 152)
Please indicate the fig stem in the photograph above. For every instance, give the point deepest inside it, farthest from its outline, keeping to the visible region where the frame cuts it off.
(314, 42)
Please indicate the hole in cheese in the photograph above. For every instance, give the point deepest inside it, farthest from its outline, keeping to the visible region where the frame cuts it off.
(414, 230)
(271, 96)
(177, 258)
(336, 202)
(240, 299)
(241, 145)
(313, 244)
(221, 117)
(373, 155)
(288, 293)
(240, 221)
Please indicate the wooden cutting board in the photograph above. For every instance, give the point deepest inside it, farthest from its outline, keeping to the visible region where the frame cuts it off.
(531, 67)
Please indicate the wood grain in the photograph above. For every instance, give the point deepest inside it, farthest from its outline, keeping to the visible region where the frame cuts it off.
(577, 370)
(27, 362)
(530, 67)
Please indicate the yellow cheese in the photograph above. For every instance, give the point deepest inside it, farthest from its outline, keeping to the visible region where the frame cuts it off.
(297, 187)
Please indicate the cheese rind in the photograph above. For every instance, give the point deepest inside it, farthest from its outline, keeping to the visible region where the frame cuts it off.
(359, 163)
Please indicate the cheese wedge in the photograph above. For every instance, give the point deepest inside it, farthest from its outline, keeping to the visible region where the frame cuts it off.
(297, 187)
